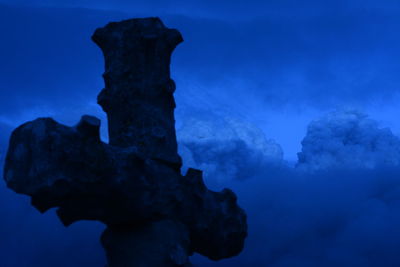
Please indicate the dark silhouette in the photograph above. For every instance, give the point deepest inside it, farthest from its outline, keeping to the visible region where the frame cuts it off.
(154, 215)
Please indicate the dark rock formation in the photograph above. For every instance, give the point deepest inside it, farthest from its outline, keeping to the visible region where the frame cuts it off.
(155, 216)
(138, 97)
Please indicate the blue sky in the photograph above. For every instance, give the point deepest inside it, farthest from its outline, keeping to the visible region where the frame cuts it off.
(281, 60)
(272, 65)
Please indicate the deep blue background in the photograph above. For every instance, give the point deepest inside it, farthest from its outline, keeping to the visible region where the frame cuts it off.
(274, 64)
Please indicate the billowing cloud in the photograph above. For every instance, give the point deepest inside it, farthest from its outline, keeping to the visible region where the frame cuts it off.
(333, 216)
(323, 218)
(226, 148)
(348, 139)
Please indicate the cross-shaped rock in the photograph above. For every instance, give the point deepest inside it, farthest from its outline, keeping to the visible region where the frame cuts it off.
(154, 215)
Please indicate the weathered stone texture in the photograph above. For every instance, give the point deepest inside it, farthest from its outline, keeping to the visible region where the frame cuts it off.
(155, 216)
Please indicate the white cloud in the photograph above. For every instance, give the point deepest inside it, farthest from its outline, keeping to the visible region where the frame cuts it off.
(226, 148)
(348, 139)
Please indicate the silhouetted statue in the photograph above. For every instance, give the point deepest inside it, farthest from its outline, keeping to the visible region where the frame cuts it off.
(154, 215)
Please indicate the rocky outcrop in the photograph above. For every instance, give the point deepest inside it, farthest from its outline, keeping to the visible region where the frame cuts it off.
(154, 215)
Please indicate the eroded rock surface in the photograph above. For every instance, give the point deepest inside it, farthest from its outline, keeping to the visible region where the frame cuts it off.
(138, 97)
(155, 216)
